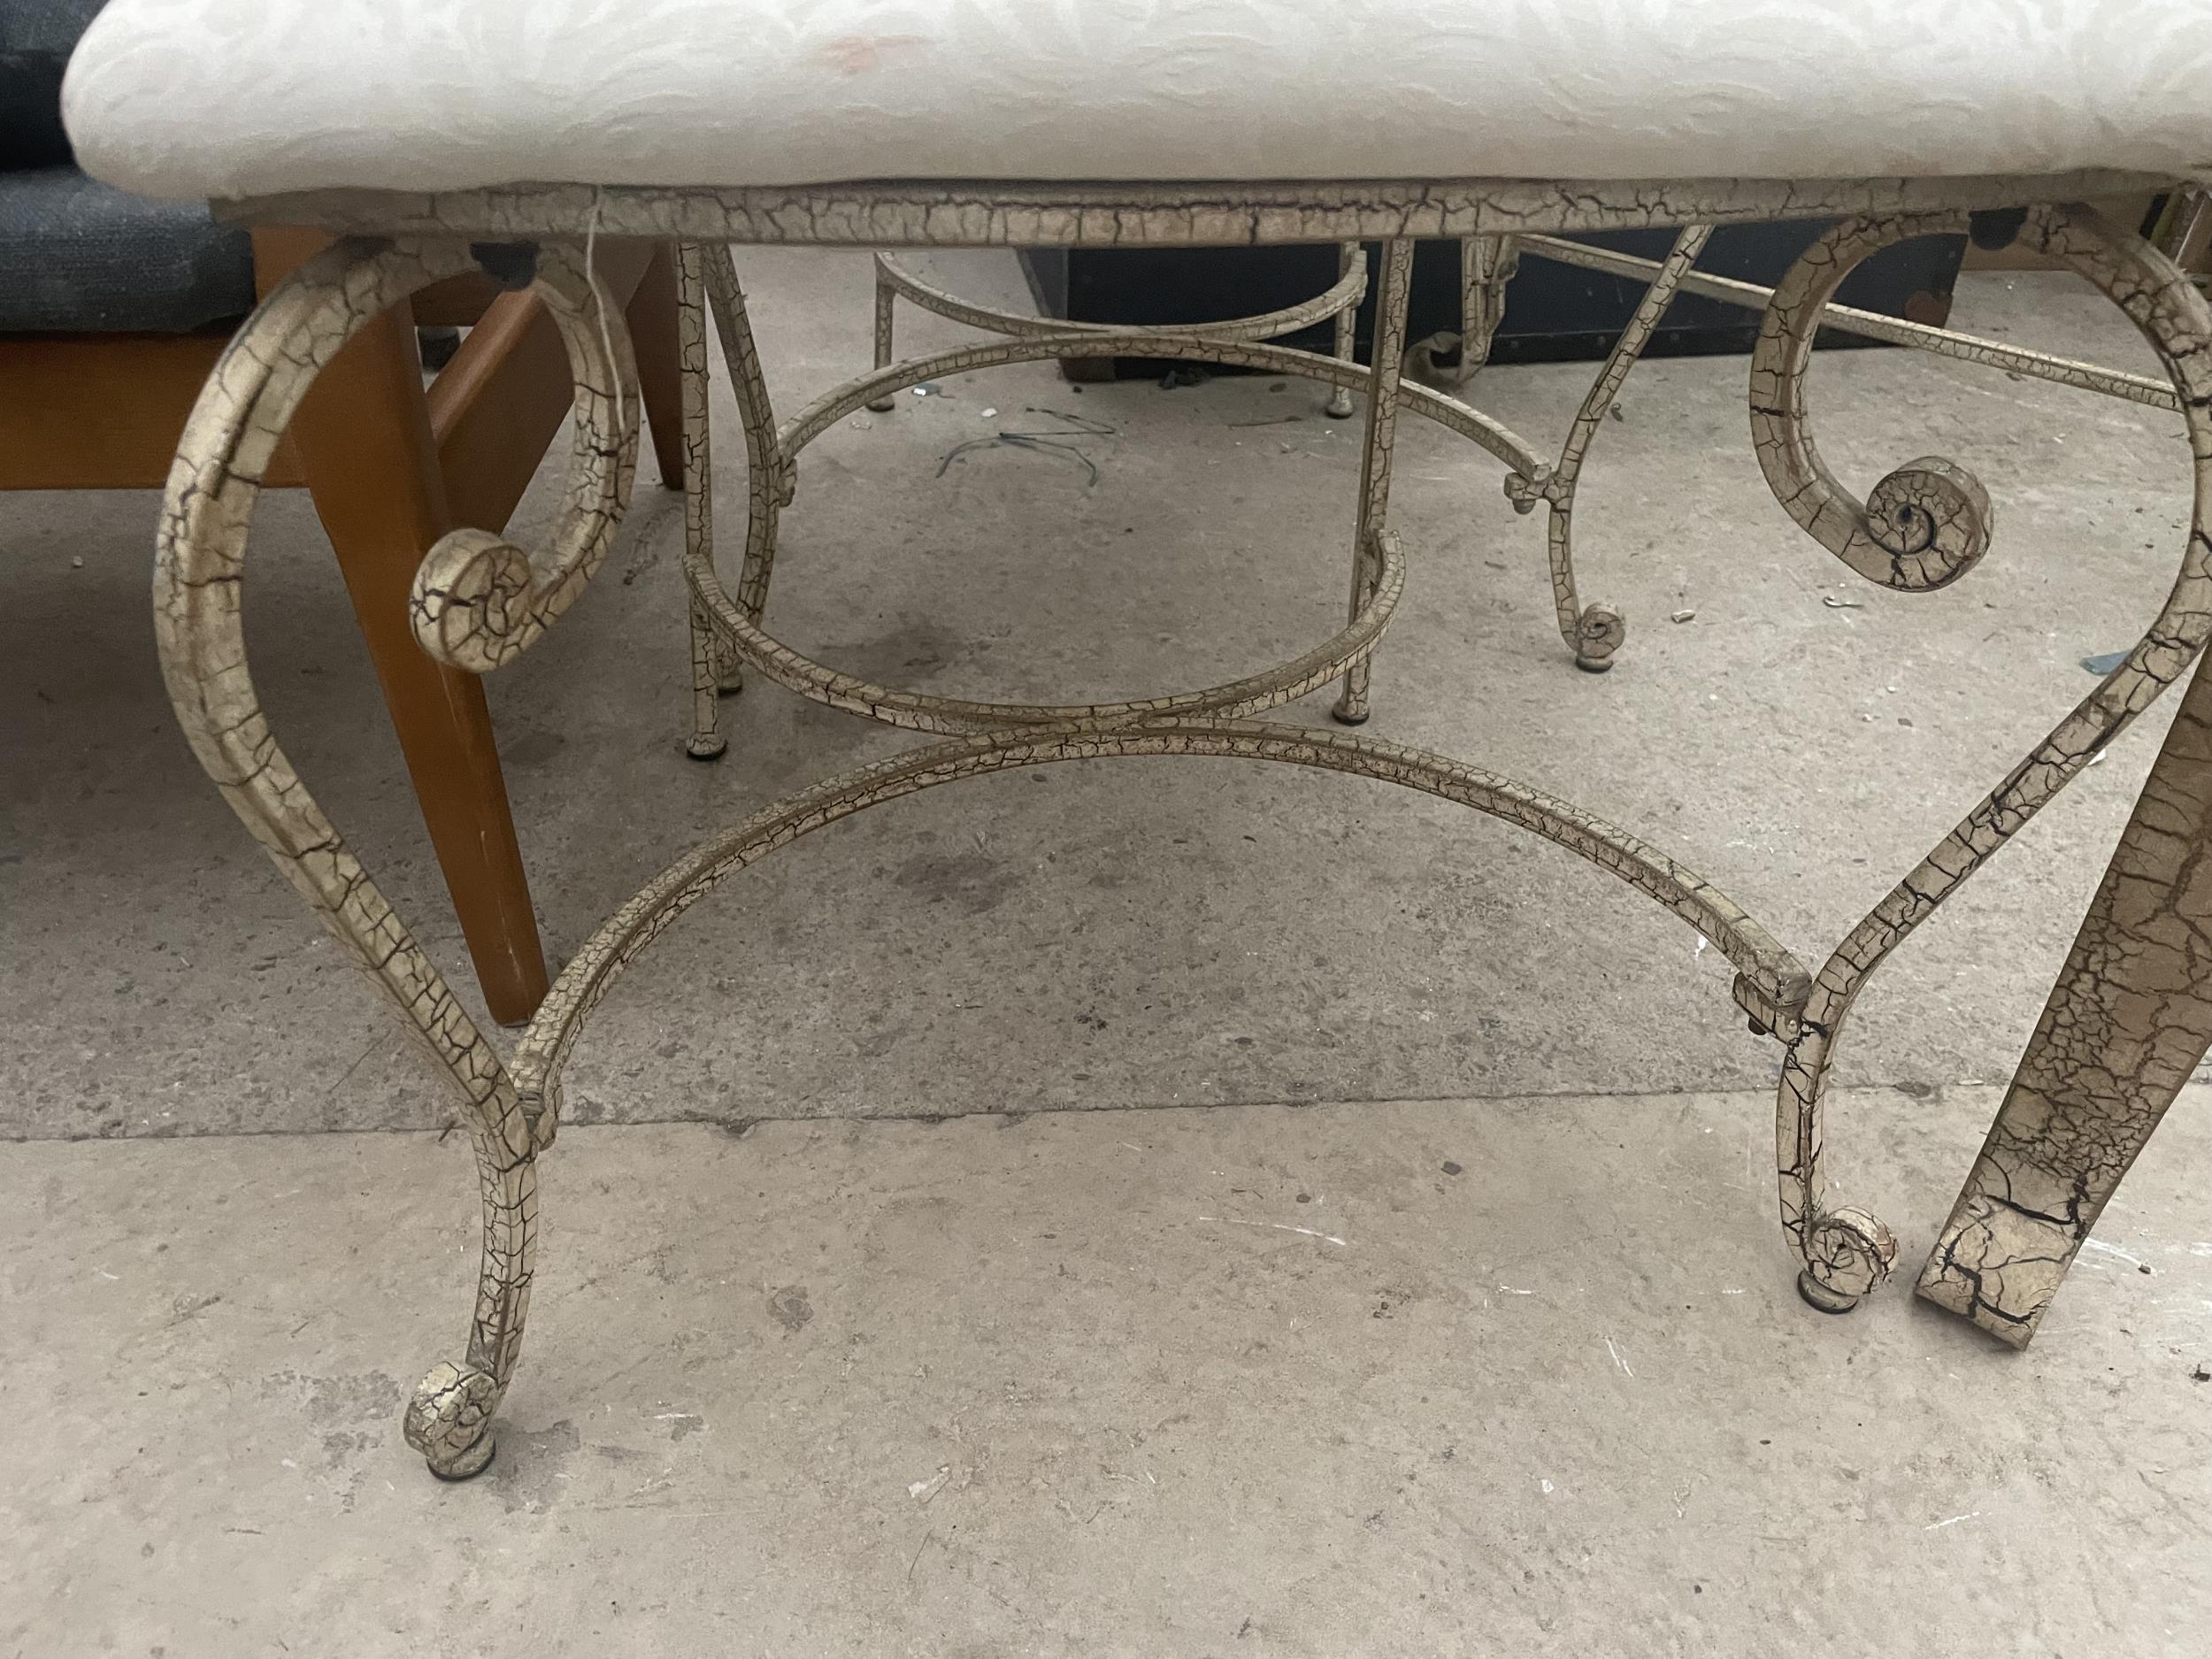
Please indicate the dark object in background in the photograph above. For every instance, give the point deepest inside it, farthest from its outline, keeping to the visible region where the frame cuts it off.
(437, 346)
(36, 37)
(30, 122)
(77, 255)
(1553, 312)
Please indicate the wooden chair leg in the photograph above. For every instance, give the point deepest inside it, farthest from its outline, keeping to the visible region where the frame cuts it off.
(2127, 1023)
(652, 318)
(364, 439)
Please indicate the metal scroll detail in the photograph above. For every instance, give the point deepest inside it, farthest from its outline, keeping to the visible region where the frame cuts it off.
(1937, 526)
(1595, 632)
(200, 566)
(1924, 525)
(479, 601)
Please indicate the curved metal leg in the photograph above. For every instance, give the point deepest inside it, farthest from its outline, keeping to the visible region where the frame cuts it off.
(1383, 376)
(1595, 632)
(713, 675)
(771, 479)
(717, 670)
(886, 316)
(1339, 404)
(1924, 526)
(478, 602)
(450, 1418)
(1486, 264)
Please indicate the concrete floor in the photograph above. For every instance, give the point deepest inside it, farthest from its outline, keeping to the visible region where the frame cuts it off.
(1562, 1400)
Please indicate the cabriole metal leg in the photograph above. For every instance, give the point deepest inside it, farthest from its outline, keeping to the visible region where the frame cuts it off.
(1339, 404)
(1486, 264)
(887, 317)
(477, 602)
(1594, 633)
(1375, 454)
(1923, 526)
(710, 675)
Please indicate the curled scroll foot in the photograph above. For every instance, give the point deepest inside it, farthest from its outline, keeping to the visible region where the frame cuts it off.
(1821, 1298)
(450, 1420)
(1339, 404)
(478, 1459)
(1847, 1252)
(706, 746)
(1599, 633)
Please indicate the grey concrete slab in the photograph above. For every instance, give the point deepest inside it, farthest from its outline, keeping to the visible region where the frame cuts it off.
(1130, 932)
(1421, 1377)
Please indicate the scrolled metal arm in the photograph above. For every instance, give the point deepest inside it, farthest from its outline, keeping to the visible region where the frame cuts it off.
(479, 601)
(214, 486)
(1594, 632)
(1924, 526)
(1938, 525)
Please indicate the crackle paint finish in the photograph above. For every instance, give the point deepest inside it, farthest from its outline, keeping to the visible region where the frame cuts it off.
(479, 603)
(2127, 1022)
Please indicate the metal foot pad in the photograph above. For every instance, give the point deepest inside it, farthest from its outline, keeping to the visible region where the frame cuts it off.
(1818, 1295)
(479, 1458)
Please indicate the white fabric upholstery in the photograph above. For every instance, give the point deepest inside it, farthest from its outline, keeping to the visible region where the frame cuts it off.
(242, 97)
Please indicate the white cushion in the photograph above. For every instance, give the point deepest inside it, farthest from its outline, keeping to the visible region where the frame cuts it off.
(245, 98)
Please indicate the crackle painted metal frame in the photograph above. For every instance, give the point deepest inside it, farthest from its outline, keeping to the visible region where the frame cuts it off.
(727, 629)
(1593, 632)
(478, 601)
(2128, 1021)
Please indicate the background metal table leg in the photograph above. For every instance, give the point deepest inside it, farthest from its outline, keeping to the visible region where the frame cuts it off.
(711, 676)
(1339, 404)
(1382, 432)
(886, 316)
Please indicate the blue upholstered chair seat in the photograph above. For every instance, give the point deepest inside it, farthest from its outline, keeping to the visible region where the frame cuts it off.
(77, 255)
(81, 257)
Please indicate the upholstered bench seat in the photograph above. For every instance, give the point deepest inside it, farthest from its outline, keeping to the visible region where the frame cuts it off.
(234, 98)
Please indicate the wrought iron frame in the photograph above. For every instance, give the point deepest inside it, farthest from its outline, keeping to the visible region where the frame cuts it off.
(1339, 301)
(1487, 265)
(727, 629)
(479, 601)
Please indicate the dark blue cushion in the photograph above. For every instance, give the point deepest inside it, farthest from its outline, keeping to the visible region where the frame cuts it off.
(78, 256)
(36, 37)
